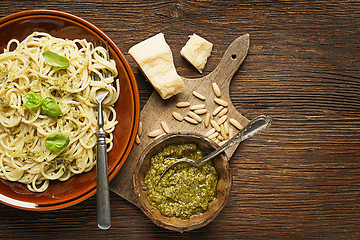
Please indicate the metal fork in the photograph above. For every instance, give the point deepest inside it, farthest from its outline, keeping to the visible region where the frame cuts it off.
(102, 181)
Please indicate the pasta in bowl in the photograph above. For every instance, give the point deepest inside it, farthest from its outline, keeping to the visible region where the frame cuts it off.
(26, 71)
(48, 112)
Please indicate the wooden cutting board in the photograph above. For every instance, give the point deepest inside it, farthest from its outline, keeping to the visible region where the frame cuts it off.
(156, 110)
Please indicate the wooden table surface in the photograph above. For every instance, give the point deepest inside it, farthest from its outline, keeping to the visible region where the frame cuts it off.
(298, 180)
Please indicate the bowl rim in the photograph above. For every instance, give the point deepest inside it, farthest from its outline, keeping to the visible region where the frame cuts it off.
(140, 191)
(46, 13)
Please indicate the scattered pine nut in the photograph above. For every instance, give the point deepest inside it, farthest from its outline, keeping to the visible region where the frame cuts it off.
(221, 102)
(222, 142)
(220, 137)
(177, 116)
(217, 110)
(210, 132)
(235, 123)
(222, 120)
(198, 95)
(216, 89)
(223, 112)
(226, 127)
(190, 120)
(194, 116)
(197, 106)
(155, 133)
(213, 139)
(231, 132)
(222, 131)
(140, 129)
(217, 141)
(215, 125)
(182, 104)
(214, 135)
(200, 111)
(159, 136)
(137, 139)
(207, 120)
(165, 127)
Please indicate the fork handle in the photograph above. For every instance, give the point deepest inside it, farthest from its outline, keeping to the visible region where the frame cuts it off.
(102, 182)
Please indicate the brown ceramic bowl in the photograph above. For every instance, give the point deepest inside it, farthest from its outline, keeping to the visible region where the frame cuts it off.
(79, 187)
(223, 188)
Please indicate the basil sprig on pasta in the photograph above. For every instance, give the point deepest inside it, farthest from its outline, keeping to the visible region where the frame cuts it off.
(57, 141)
(50, 108)
(55, 60)
(48, 105)
(32, 100)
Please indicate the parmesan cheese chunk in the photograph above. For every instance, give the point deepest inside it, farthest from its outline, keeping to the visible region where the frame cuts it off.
(196, 51)
(155, 60)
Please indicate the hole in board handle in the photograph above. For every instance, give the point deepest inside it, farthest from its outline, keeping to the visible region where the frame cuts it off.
(233, 56)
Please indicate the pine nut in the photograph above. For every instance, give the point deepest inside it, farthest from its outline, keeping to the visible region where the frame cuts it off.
(182, 104)
(155, 133)
(140, 129)
(198, 106)
(213, 139)
(200, 111)
(165, 127)
(215, 125)
(222, 120)
(194, 116)
(214, 135)
(220, 137)
(207, 120)
(159, 136)
(210, 132)
(231, 132)
(222, 142)
(221, 102)
(222, 131)
(226, 127)
(198, 95)
(235, 123)
(216, 89)
(223, 112)
(190, 120)
(137, 139)
(217, 110)
(177, 116)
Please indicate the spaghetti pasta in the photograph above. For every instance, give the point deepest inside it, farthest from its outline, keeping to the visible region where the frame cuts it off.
(24, 157)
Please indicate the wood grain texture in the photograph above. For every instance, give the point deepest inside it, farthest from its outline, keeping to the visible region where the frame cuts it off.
(300, 179)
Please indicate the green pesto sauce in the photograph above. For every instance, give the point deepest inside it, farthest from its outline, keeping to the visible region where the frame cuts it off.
(184, 190)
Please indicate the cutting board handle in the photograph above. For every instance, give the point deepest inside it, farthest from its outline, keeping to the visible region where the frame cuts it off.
(230, 62)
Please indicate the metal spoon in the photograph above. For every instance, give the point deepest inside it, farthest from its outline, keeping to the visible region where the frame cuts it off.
(257, 125)
(102, 181)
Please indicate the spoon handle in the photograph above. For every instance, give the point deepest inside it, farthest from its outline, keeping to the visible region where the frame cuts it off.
(257, 125)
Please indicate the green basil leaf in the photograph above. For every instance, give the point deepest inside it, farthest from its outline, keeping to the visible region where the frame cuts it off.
(55, 60)
(32, 100)
(57, 141)
(50, 108)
